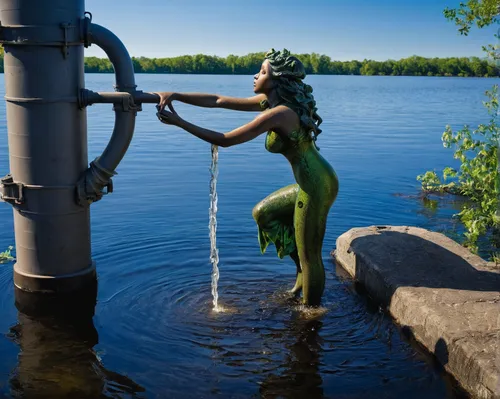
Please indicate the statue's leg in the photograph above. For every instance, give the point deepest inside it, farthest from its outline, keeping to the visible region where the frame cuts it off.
(310, 217)
(274, 218)
(297, 288)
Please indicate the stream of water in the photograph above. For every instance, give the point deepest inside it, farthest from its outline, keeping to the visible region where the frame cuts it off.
(212, 226)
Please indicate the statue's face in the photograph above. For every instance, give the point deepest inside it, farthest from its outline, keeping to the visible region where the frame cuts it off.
(262, 81)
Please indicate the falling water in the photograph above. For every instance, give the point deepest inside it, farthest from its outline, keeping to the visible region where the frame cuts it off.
(212, 226)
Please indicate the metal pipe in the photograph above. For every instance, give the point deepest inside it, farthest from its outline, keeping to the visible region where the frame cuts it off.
(89, 97)
(120, 139)
(117, 54)
(47, 135)
(145, 97)
(98, 175)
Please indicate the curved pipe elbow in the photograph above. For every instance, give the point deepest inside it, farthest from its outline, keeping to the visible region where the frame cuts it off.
(98, 176)
(117, 54)
(123, 132)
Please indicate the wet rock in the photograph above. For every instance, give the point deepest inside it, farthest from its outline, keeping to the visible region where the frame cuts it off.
(445, 296)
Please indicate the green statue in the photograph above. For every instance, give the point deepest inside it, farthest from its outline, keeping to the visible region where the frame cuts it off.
(294, 217)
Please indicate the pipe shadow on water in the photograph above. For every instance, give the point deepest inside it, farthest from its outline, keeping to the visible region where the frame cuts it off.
(57, 358)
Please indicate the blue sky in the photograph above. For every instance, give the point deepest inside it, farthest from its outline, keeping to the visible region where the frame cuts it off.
(341, 29)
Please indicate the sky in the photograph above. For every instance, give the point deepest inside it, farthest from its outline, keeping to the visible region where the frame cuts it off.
(342, 29)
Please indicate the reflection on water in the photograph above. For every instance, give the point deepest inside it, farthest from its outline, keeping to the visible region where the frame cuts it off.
(56, 356)
(300, 376)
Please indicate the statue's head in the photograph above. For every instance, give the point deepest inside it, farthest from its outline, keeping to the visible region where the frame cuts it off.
(284, 73)
(277, 65)
(285, 65)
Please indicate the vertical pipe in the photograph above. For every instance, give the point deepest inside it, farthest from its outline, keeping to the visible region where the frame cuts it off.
(47, 136)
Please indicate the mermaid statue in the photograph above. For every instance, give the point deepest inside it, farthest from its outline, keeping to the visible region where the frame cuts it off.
(294, 217)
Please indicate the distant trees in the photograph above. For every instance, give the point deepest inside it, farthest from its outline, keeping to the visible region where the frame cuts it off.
(314, 64)
(420, 66)
(97, 65)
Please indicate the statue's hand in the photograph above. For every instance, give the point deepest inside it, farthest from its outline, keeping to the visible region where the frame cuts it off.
(169, 118)
(166, 98)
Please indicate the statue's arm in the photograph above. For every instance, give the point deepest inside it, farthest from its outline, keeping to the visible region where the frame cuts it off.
(267, 120)
(242, 104)
(214, 101)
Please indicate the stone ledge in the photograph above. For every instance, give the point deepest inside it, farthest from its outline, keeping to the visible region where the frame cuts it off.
(448, 297)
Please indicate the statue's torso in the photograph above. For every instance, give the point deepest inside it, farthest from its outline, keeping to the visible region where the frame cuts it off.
(276, 144)
(310, 169)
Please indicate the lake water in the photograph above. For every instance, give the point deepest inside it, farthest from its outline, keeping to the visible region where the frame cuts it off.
(154, 335)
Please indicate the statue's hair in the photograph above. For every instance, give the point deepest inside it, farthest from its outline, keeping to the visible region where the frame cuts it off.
(288, 71)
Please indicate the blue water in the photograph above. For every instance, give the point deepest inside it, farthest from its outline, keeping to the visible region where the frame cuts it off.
(155, 335)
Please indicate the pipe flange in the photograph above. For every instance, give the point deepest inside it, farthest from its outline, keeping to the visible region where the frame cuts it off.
(90, 187)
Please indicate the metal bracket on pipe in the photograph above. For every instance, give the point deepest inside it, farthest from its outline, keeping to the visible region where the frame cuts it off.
(86, 29)
(127, 104)
(65, 28)
(11, 191)
(63, 36)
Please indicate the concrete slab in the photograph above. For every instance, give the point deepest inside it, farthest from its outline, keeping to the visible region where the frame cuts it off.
(446, 296)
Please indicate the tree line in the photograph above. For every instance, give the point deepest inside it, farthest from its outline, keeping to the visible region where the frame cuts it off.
(314, 64)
